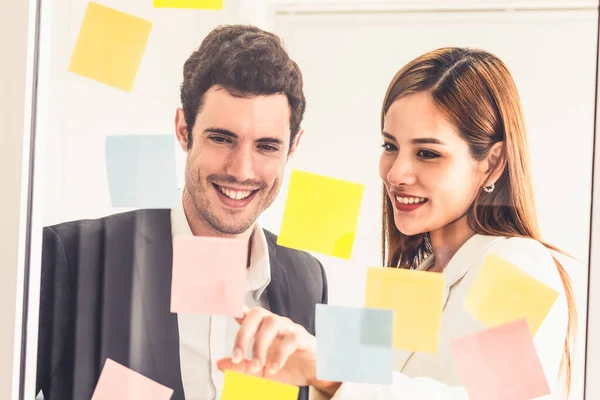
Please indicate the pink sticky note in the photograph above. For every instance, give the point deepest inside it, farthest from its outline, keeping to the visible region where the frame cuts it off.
(209, 275)
(118, 382)
(500, 363)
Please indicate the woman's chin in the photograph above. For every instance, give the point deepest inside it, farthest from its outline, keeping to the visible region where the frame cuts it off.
(409, 231)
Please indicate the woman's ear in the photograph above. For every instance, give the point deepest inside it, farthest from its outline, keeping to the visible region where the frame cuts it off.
(496, 162)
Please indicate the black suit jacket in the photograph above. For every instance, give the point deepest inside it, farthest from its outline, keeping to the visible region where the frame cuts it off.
(105, 293)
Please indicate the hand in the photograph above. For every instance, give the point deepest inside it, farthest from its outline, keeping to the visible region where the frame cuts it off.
(282, 350)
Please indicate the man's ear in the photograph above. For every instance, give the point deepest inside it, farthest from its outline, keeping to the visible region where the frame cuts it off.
(296, 143)
(495, 162)
(181, 129)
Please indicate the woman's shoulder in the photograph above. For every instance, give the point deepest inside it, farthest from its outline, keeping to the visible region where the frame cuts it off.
(529, 255)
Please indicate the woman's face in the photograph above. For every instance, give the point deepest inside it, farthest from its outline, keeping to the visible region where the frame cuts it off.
(428, 172)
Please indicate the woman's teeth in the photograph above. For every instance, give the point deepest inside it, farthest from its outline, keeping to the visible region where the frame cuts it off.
(234, 194)
(411, 200)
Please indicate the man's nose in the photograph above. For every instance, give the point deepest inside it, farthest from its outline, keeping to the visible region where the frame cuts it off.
(240, 165)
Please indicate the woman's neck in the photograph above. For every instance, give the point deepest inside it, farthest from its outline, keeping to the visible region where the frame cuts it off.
(447, 241)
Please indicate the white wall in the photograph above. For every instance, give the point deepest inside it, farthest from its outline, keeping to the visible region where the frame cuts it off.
(348, 57)
(14, 17)
(83, 112)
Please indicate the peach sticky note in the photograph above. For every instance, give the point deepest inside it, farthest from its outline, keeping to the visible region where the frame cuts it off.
(199, 4)
(416, 298)
(321, 214)
(118, 382)
(501, 292)
(110, 46)
(237, 386)
(500, 363)
(209, 275)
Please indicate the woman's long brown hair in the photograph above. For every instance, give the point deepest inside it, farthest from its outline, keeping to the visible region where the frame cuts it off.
(476, 92)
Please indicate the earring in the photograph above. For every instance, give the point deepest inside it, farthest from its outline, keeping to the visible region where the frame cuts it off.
(489, 188)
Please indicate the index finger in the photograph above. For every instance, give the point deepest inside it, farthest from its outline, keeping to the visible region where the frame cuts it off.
(248, 327)
(245, 311)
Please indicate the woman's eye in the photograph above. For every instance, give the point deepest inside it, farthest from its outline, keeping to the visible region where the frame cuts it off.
(426, 154)
(388, 147)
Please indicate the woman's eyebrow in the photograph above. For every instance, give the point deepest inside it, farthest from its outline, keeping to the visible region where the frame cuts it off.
(427, 141)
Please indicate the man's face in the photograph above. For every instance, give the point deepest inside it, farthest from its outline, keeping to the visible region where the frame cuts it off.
(236, 162)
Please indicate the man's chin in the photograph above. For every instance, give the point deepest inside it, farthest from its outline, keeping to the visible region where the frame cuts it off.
(232, 229)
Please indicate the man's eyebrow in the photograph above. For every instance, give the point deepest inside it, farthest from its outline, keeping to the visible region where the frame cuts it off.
(226, 132)
(270, 140)
(221, 131)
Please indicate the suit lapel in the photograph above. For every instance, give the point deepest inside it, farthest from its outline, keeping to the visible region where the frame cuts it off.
(278, 291)
(458, 266)
(153, 268)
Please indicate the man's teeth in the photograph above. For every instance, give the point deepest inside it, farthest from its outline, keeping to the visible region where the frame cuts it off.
(411, 200)
(234, 194)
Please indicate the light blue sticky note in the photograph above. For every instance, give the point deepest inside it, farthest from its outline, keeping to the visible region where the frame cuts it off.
(141, 171)
(351, 346)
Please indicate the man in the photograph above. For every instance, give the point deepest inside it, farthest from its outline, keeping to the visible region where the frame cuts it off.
(106, 283)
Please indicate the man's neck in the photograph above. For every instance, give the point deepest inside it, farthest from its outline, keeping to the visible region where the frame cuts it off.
(200, 227)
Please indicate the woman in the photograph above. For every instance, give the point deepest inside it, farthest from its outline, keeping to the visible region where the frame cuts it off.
(457, 187)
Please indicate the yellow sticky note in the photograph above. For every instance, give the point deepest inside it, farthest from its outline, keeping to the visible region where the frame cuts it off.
(321, 214)
(239, 386)
(502, 292)
(199, 4)
(110, 46)
(417, 300)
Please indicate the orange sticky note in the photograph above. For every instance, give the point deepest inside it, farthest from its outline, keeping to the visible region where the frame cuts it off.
(500, 363)
(502, 292)
(321, 214)
(110, 46)
(209, 275)
(118, 382)
(198, 4)
(416, 298)
(237, 386)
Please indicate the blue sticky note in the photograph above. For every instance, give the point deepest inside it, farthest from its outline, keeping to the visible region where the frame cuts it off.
(351, 346)
(141, 171)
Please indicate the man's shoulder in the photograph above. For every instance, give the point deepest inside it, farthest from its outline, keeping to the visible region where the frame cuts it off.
(124, 222)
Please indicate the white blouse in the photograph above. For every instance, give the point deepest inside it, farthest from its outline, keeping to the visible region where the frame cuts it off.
(435, 376)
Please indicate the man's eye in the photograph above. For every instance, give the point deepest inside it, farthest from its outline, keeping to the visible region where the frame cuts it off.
(426, 154)
(219, 139)
(269, 148)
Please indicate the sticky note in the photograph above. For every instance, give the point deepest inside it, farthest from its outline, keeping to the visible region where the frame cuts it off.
(118, 382)
(209, 275)
(321, 214)
(237, 386)
(199, 4)
(500, 363)
(354, 344)
(502, 292)
(141, 171)
(416, 298)
(110, 46)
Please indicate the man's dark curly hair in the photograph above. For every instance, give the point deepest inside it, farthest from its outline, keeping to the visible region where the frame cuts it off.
(247, 62)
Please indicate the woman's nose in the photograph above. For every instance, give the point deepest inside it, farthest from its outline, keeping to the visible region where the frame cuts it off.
(401, 173)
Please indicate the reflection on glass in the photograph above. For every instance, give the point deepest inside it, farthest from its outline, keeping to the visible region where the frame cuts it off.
(476, 126)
